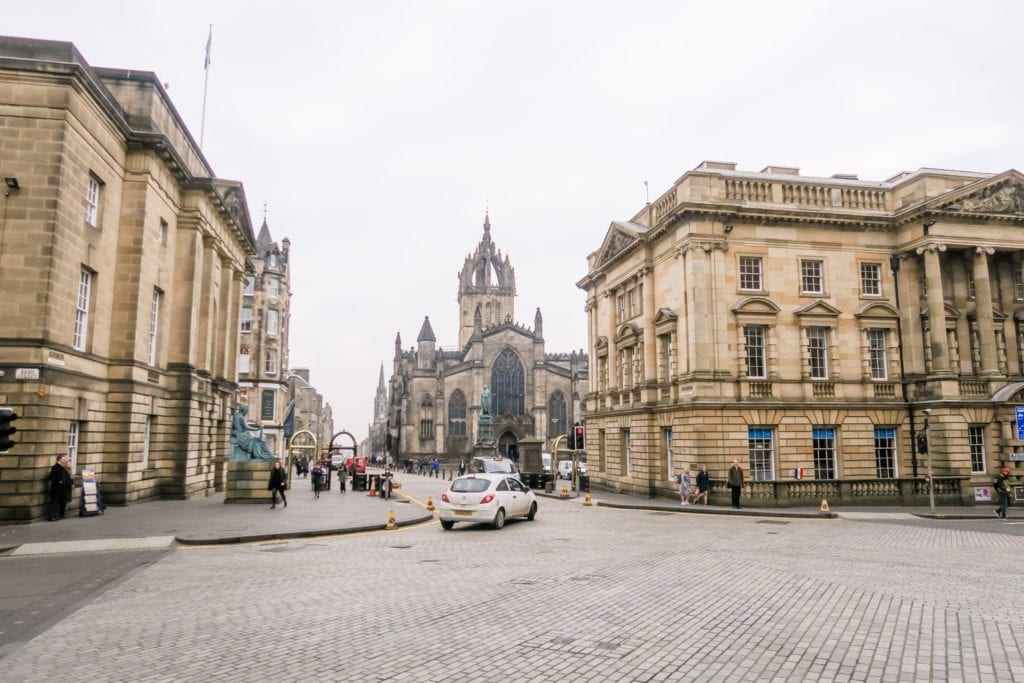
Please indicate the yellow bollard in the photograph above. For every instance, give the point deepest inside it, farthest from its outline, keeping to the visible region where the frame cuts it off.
(430, 503)
(586, 499)
(565, 492)
(824, 506)
(392, 524)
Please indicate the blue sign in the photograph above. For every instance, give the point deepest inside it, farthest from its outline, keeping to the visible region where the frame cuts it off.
(1020, 422)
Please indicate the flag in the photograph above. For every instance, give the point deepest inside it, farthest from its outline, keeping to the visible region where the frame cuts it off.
(209, 42)
(289, 422)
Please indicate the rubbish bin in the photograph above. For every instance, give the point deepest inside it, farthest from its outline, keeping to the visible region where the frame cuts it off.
(359, 481)
(585, 483)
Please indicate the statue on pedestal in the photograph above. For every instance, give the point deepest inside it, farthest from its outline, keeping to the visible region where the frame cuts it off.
(485, 431)
(245, 446)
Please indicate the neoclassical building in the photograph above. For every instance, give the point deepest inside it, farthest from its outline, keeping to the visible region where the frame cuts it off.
(434, 393)
(122, 263)
(803, 326)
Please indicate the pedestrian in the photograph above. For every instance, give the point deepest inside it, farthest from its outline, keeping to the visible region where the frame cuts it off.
(685, 486)
(736, 483)
(385, 483)
(1002, 486)
(462, 467)
(277, 484)
(437, 467)
(342, 476)
(318, 479)
(703, 485)
(60, 488)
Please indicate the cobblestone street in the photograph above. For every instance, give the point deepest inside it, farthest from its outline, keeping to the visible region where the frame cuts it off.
(581, 594)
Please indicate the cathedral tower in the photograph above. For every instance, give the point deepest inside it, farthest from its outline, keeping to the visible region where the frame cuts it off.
(487, 282)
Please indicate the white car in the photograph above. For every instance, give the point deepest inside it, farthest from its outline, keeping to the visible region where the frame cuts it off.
(486, 498)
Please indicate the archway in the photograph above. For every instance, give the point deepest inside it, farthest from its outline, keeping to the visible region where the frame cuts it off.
(508, 446)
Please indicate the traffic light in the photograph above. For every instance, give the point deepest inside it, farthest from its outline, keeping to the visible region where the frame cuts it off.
(7, 417)
(579, 439)
(922, 442)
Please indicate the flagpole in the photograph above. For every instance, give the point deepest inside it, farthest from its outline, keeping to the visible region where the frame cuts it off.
(206, 82)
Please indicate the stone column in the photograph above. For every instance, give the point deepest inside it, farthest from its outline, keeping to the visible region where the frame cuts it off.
(983, 310)
(701, 351)
(936, 307)
(910, 315)
(650, 339)
(613, 358)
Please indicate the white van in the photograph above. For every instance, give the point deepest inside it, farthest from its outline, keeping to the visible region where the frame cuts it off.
(545, 462)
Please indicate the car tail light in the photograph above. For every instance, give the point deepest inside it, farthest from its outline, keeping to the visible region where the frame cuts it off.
(487, 499)
(444, 497)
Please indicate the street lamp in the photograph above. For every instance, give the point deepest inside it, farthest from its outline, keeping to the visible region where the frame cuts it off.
(928, 452)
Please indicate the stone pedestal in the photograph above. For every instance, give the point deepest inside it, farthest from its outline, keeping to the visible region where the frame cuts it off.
(247, 481)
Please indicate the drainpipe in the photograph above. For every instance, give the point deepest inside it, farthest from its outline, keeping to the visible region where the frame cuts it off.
(894, 265)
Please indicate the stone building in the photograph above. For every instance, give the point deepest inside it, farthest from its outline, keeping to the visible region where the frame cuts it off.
(434, 393)
(374, 446)
(311, 412)
(803, 325)
(263, 349)
(122, 263)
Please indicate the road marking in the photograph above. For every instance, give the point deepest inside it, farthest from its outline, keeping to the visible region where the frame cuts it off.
(94, 545)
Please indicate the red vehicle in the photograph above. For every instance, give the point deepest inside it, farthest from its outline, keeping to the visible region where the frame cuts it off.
(356, 465)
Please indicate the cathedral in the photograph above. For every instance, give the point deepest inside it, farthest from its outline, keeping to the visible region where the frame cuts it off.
(435, 393)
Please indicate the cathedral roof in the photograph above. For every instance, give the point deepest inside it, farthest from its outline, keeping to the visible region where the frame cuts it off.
(426, 332)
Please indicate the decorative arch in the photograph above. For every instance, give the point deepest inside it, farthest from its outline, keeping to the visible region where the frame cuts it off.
(557, 415)
(508, 384)
(457, 414)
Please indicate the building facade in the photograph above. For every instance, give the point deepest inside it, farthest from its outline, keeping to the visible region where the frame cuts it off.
(804, 326)
(309, 411)
(263, 350)
(122, 263)
(435, 393)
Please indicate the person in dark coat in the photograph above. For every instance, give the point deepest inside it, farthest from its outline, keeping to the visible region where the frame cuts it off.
(703, 485)
(318, 479)
(277, 484)
(1002, 486)
(60, 488)
(736, 483)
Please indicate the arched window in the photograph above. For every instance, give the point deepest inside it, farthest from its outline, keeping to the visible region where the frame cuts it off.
(507, 384)
(457, 414)
(556, 415)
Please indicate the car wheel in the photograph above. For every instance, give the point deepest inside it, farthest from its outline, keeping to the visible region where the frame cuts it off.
(499, 519)
(533, 512)
(447, 524)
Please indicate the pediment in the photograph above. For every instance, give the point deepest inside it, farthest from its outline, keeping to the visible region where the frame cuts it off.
(1002, 195)
(602, 342)
(755, 305)
(627, 330)
(664, 315)
(997, 315)
(877, 309)
(818, 308)
(620, 237)
(950, 312)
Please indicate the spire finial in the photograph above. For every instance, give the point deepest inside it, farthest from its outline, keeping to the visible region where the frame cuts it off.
(266, 210)
(487, 222)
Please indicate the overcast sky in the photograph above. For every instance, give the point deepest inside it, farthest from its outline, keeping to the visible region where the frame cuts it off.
(378, 132)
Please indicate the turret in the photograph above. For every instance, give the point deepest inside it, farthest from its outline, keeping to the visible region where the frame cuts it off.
(425, 343)
(538, 325)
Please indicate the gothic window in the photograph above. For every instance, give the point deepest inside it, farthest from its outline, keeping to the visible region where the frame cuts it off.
(557, 424)
(426, 418)
(457, 414)
(507, 384)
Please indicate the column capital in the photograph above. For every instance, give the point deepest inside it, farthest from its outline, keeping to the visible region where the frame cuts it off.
(931, 246)
(984, 250)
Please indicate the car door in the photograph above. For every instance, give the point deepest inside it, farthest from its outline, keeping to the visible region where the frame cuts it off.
(519, 499)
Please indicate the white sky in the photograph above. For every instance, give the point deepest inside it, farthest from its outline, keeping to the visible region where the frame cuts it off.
(379, 131)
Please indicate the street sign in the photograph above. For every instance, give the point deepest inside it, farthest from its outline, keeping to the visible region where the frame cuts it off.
(1020, 423)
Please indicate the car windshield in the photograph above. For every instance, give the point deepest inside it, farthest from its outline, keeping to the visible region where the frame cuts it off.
(470, 485)
(491, 466)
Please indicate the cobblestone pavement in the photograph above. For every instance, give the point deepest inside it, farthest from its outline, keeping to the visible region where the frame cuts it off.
(580, 594)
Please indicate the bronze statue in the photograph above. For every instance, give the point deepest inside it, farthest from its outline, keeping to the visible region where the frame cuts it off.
(245, 446)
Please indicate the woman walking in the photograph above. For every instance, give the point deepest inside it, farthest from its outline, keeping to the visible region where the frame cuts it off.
(277, 484)
(60, 488)
(685, 486)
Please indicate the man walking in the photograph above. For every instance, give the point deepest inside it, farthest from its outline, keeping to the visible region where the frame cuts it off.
(1002, 486)
(736, 483)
